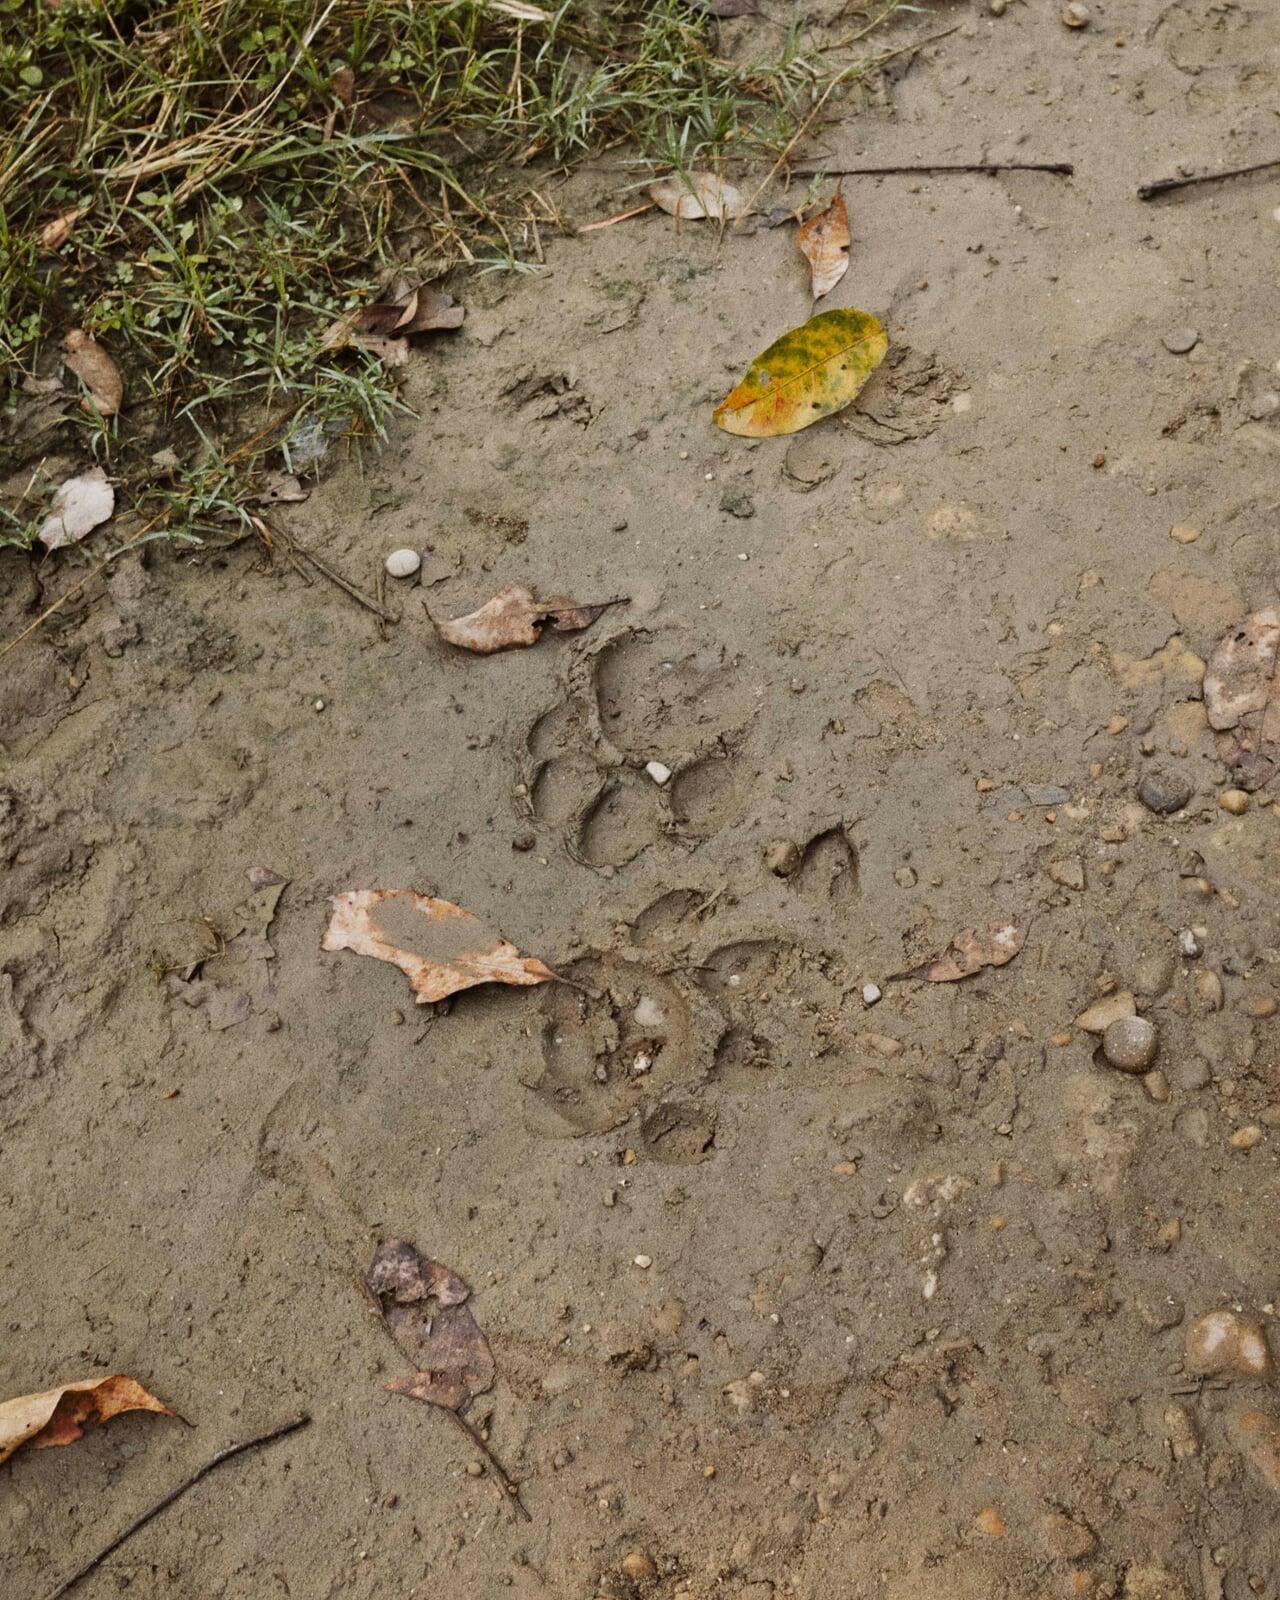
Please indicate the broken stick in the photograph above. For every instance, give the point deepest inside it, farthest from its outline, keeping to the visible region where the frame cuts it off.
(1151, 191)
(1062, 169)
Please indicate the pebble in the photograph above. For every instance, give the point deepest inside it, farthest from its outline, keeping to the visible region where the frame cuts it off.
(1260, 1005)
(1069, 873)
(1157, 1086)
(1180, 1430)
(1178, 341)
(990, 1522)
(1158, 1309)
(1184, 532)
(658, 771)
(638, 1566)
(474, 1469)
(871, 992)
(403, 563)
(643, 1262)
(1190, 944)
(1209, 989)
(1247, 1138)
(782, 857)
(997, 8)
(1224, 1342)
(1256, 1435)
(1098, 1017)
(905, 877)
(1164, 792)
(1130, 1044)
(1076, 15)
(1235, 801)
(1067, 1539)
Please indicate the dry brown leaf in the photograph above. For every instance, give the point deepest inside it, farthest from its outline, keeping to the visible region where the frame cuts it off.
(279, 488)
(970, 952)
(423, 1305)
(1242, 695)
(513, 618)
(59, 1416)
(57, 230)
(698, 195)
(84, 356)
(79, 505)
(352, 927)
(383, 329)
(824, 241)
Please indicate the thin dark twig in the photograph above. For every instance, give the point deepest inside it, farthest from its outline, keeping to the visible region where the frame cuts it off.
(334, 577)
(1064, 169)
(299, 1421)
(1150, 191)
(510, 1489)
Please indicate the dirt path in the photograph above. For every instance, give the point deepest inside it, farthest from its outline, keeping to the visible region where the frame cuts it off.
(920, 1273)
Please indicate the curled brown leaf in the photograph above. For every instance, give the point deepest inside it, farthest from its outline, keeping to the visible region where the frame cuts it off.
(383, 329)
(1242, 695)
(514, 618)
(353, 927)
(83, 355)
(970, 952)
(423, 1303)
(824, 241)
(59, 1416)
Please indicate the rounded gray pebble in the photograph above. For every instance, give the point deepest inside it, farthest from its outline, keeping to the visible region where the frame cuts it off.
(1178, 341)
(1130, 1044)
(1164, 792)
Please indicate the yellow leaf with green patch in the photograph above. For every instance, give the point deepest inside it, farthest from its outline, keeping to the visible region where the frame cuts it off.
(804, 376)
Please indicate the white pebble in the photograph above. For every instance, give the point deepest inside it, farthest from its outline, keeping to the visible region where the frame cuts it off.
(403, 563)
(870, 993)
(317, 705)
(642, 1262)
(657, 771)
(1188, 943)
(641, 1064)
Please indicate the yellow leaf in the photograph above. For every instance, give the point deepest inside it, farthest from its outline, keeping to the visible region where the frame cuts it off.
(809, 373)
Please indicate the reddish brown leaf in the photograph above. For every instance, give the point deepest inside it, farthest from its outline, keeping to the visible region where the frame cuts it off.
(970, 952)
(59, 1416)
(513, 618)
(423, 1305)
(824, 240)
(84, 356)
(1242, 695)
(383, 329)
(352, 927)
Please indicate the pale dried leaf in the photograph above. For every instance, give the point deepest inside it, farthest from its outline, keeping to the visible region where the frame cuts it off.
(423, 1304)
(57, 230)
(84, 356)
(698, 195)
(824, 241)
(431, 309)
(281, 488)
(971, 951)
(1242, 695)
(79, 506)
(59, 1416)
(514, 618)
(352, 927)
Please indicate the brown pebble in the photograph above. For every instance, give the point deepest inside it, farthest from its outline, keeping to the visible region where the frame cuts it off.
(1224, 1342)
(1170, 1232)
(638, 1566)
(1236, 801)
(1260, 1005)
(1257, 1437)
(845, 1169)
(1062, 1038)
(1180, 1430)
(1130, 1044)
(782, 857)
(474, 1469)
(1157, 1086)
(1184, 532)
(1117, 725)
(1208, 986)
(990, 1522)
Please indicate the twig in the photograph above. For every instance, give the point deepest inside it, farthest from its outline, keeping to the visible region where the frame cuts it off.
(1064, 169)
(510, 1490)
(1150, 191)
(622, 216)
(299, 1421)
(326, 571)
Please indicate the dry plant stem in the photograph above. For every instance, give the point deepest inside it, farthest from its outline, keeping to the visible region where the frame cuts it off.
(510, 1490)
(69, 1583)
(74, 590)
(326, 571)
(1063, 169)
(622, 216)
(1151, 191)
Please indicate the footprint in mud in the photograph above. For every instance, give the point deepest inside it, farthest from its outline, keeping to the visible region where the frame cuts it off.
(678, 1132)
(828, 869)
(671, 921)
(781, 1009)
(705, 797)
(620, 820)
(556, 792)
(614, 1040)
(742, 1059)
(659, 699)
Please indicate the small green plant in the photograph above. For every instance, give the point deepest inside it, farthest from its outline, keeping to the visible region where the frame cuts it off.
(233, 175)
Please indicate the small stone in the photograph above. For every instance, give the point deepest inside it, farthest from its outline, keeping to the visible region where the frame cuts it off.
(905, 877)
(1184, 532)
(1178, 341)
(474, 1469)
(1076, 15)
(1157, 1086)
(1189, 944)
(1260, 1005)
(1098, 1017)
(318, 705)
(1069, 873)
(643, 1262)
(562, 1459)
(403, 563)
(997, 8)
(638, 1566)
(1130, 1044)
(1117, 725)
(1155, 973)
(1257, 1436)
(1066, 1538)
(1158, 1309)
(1169, 1233)
(1235, 801)
(523, 841)
(1180, 1430)
(1164, 792)
(1247, 1138)
(658, 771)
(990, 1522)
(782, 857)
(1208, 987)
(1224, 1342)
(871, 992)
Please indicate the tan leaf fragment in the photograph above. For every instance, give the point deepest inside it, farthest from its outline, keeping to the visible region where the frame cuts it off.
(824, 242)
(1242, 695)
(423, 1304)
(59, 1416)
(970, 952)
(352, 927)
(83, 355)
(698, 195)
(57, 230)
(514, 618)
(383, 329)
(79, 505)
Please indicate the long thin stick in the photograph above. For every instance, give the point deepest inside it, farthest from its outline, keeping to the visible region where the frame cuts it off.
(299, 1421)
(1149, 191)
(1064, 169)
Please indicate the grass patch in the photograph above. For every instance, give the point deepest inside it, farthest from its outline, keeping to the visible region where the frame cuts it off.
(235, 174)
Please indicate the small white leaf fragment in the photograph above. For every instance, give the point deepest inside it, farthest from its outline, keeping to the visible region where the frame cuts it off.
(79, 506)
